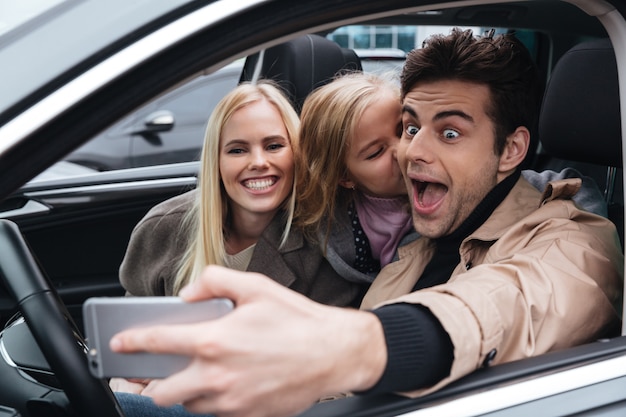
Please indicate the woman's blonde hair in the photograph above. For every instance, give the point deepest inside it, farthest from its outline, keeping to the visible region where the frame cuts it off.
(207, 223)
(329, 119)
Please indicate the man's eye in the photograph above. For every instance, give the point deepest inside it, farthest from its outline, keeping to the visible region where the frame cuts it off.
(411, 130)
(450, 134)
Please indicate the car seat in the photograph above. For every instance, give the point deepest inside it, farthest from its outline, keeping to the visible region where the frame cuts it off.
(301, 65)
(579, 123)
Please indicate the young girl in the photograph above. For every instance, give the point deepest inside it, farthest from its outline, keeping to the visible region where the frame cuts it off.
(353, 197)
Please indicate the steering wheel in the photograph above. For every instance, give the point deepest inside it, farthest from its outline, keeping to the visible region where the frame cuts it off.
(52, 327)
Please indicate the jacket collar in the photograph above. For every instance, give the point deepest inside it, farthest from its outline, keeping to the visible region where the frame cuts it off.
(521, 201)
(273, 235)
(268, 255)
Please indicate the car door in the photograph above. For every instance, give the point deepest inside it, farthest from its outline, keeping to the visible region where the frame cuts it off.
(78, 227)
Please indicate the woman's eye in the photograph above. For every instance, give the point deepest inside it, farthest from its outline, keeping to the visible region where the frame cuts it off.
(411, 130)
(235, 151)
(450, 134)
(275, 146)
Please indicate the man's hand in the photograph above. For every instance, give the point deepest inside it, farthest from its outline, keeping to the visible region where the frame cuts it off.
(276, 354)
(133, 386)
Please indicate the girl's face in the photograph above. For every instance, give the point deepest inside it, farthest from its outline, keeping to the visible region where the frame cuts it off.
(371, 158)
(256, 160)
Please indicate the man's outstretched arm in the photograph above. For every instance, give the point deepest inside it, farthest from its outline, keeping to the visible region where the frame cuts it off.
(276, 354)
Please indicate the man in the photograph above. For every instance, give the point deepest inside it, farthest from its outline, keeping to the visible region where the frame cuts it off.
(500, 272)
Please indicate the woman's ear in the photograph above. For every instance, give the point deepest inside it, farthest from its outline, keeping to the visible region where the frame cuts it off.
(515, 150)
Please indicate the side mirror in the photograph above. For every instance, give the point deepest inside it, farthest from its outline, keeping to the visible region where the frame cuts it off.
(158, 121)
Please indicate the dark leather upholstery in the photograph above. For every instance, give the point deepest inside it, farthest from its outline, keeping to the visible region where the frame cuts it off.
(302, 64)
(580, 116)
(580, 124)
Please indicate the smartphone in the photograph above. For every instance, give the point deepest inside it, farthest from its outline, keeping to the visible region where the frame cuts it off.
(106, 316)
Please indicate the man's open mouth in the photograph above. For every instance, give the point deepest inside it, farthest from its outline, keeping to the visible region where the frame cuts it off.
(429, 194)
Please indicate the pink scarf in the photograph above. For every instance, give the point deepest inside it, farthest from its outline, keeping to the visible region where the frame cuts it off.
(385, 221)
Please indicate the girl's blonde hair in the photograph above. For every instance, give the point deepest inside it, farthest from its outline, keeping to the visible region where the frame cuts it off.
(207, 223)
(329, 119)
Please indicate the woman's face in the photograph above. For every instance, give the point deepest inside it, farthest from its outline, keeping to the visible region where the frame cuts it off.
(256, 160)
(371, 159)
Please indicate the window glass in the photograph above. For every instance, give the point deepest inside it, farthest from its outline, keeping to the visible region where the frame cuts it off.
(405, 38)
(381, 48)
(167, 130)
(132, 142)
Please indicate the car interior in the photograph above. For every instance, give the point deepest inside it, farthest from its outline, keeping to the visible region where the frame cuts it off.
(301, 65)
(581, 103)
(77, 228)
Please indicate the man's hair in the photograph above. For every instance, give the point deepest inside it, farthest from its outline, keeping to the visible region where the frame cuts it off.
(500, 62)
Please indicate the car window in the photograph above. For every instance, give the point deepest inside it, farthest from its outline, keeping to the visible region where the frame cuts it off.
(377, 37)
(170, 128)
(189, 107)
(375, 42)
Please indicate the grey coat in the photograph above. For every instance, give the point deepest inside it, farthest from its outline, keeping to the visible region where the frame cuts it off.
(157, 243)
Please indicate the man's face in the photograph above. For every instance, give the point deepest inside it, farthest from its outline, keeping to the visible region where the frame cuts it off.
(447, 153)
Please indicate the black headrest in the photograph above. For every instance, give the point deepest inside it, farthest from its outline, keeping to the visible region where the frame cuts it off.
(580, 115)
(302, 64)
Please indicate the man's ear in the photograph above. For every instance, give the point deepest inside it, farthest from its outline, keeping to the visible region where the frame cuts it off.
(346, 183)
(515, 150)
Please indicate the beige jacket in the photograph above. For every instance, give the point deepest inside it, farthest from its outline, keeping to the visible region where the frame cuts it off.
(538, 275)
